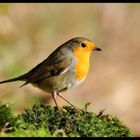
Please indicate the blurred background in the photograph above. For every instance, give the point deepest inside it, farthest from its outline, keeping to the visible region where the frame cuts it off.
(30, 32)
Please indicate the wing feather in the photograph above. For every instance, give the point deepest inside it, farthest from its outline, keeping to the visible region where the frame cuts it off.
(52, 66)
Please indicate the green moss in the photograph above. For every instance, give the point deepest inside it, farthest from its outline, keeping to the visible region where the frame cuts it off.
(41, 132)
(8, 122)
(44, 120)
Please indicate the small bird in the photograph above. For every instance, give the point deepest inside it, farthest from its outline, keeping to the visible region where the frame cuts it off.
(65, 68)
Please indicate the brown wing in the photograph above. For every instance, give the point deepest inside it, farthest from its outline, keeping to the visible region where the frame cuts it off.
(46, 72)
(57, 63)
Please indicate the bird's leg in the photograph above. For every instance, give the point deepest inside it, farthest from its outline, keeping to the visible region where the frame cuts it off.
(54, 98)
(66, 100)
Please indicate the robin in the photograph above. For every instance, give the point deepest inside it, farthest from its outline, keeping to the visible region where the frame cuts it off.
(65, 67)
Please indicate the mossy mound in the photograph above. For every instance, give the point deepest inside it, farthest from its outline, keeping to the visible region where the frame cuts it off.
(44, 120)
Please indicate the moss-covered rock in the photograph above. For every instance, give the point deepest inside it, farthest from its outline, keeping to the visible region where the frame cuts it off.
(44, 120)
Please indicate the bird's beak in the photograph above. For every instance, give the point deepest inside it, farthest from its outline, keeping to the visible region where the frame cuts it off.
(97, 49)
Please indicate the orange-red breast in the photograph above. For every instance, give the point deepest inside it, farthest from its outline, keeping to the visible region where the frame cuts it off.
(64, 68)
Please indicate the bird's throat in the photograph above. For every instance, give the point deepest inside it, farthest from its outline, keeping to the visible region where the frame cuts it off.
(81, 65)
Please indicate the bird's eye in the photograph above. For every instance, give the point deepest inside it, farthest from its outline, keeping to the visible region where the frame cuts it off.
(83, 45)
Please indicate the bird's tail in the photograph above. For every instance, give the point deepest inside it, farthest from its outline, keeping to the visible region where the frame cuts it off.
(22, 78)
